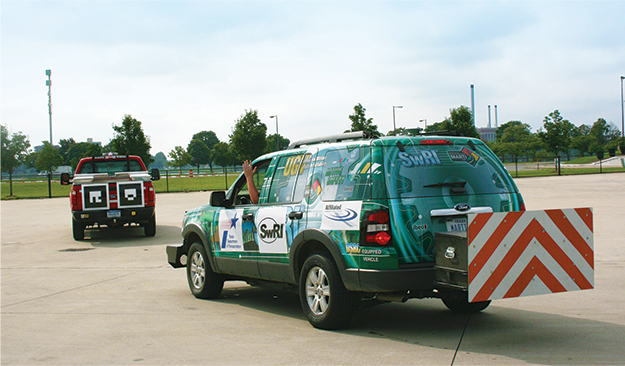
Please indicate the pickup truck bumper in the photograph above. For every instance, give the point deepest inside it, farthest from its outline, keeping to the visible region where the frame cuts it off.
(138, 215)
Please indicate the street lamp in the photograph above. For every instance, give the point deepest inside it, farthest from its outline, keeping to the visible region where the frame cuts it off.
(49, 85)
(395, 106)
(622, 115)
(426, 122)
(276, 117)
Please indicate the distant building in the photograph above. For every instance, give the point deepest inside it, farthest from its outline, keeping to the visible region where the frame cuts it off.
(487, 134)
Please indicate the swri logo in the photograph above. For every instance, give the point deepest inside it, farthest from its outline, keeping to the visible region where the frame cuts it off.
(338, 214)
(270, 230)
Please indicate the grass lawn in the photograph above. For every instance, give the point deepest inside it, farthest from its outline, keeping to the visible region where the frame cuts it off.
(39, 189)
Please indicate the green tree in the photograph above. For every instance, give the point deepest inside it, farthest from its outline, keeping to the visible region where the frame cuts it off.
(65, 145)
(130, 140)
(199, 152)
(160, 160)
(223, 155)
(179, 158)
(361, 123)
(209, 138)
(48, 158)
(248, 140)
(459, 122)
(14, 152)
(283, 143)
(502, 128)
(81, 150)
(558, 133)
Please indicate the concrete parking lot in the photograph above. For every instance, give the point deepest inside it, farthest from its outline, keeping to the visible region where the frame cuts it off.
(113, 299)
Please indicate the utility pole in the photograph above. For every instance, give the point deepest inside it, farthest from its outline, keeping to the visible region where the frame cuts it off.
(49, 85)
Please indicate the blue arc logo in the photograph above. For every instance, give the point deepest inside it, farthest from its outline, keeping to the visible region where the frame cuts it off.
(344, 216)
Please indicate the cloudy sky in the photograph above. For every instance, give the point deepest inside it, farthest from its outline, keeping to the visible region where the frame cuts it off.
(181, 67)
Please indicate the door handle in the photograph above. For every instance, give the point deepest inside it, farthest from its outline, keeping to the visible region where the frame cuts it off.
(248, 217)
(295, 215)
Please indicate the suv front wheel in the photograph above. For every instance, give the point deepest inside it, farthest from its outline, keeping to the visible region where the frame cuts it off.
(325, 300)
(203, 282)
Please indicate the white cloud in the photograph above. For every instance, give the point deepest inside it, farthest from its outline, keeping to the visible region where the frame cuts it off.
(182, 67)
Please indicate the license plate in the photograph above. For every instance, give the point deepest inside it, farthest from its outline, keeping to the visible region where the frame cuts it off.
(457, 225)
(114, 213)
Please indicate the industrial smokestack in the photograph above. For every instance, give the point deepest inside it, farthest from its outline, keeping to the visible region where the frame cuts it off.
(489, 116)
(496, 122)
(473, 103)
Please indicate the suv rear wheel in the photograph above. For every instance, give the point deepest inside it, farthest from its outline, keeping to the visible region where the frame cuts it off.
(325, 300)
(150, 227)
(457, 301)
(203, 282)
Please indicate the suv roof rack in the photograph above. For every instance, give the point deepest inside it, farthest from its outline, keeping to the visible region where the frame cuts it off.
(439, 133)
(358, 135)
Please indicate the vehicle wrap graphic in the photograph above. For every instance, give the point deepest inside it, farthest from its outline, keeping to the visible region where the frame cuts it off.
(231, 230)
(341, 215)
(412, 193)
(271, 230)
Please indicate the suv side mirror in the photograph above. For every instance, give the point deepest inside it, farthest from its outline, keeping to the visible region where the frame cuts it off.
(155, 174)
(217, 199)
(64, 179)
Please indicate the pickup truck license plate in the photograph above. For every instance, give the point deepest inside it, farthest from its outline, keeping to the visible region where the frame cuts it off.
(459, 224)
(117, 213)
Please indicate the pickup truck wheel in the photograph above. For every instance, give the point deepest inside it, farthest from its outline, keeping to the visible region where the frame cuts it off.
(325, 300)
(458, 302)
(78, 229)
(150, 227)
(203, 282)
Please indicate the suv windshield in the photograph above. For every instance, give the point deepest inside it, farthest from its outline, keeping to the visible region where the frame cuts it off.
(110, 166)
(435, 170)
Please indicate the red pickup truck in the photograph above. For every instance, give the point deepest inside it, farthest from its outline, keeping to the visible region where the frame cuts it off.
(112, 190)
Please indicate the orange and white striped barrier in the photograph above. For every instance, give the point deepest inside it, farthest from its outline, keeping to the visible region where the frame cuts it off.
(513, 254)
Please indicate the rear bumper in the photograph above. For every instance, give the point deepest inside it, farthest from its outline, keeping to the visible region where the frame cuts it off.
(417, 278)
(140, 215)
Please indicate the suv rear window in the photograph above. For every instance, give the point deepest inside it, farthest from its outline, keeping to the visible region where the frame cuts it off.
(110, 166)
(435, 170)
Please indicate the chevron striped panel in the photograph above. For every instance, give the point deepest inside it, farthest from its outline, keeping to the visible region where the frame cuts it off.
(513, 254)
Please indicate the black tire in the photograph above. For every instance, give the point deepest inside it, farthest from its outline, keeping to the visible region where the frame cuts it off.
(150, 227)
(325, 300)
(203, 282)
(78, 229)
(458, 301)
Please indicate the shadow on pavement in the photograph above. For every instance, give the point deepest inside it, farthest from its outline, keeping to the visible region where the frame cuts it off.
(131, 236)
(527, 336)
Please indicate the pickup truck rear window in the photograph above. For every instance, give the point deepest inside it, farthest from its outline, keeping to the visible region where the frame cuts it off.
(109, 166)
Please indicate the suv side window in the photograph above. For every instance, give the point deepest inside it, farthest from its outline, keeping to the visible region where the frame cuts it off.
(285, 177)
(347, 174)
(242, 196)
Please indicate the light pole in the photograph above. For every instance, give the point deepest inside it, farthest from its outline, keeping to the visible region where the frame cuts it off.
(622, 116)
(395, 106)
(276, 117)
(426, 122)
(49, 85)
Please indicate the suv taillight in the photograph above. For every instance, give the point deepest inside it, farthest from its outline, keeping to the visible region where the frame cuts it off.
(375, 228)
(150, 195)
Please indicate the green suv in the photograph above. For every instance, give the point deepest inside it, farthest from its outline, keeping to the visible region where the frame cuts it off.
(346, 219)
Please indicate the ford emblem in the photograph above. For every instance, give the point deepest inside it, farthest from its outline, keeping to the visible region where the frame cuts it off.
(462, 207)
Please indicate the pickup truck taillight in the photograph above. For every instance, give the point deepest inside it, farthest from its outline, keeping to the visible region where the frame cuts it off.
(375, 228)
(75, 201)
(150, 195)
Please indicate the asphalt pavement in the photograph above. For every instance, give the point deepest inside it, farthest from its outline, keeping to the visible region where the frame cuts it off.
(113, 299)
